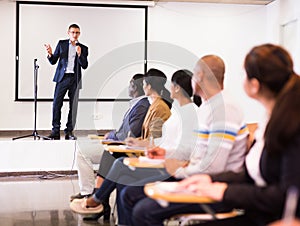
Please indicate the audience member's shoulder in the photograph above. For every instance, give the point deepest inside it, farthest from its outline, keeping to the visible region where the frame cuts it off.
(161, 105)
(230, 98)
(232, 105)
(144, 101)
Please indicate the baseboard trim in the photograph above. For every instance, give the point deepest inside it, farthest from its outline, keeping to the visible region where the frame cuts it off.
(17, 133)
(39, 173)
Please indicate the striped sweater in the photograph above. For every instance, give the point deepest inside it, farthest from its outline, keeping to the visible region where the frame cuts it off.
(221, 138)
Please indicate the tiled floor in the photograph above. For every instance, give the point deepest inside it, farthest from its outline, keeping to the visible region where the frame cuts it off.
(31, 201)
(40, 200)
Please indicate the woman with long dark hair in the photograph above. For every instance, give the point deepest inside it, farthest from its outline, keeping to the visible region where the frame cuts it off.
(161, 103)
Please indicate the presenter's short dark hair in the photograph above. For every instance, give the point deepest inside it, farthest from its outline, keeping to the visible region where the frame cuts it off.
(74, 26)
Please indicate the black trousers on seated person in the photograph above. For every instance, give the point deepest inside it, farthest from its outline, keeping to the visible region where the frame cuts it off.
(107, 161)
(141, 210)
(119, 177)
(243, 220)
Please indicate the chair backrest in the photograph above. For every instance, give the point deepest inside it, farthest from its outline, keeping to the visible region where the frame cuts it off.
(252, 128)
(184, 219)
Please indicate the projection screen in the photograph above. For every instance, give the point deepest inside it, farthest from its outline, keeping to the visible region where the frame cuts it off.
(115, 34)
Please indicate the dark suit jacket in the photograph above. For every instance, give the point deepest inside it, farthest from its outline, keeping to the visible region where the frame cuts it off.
(61, 54)
(132, 122)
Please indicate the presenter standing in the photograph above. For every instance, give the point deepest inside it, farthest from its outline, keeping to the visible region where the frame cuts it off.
(71, 56)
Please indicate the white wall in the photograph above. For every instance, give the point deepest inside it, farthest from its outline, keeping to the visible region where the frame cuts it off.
(227, 30)
(290, 15)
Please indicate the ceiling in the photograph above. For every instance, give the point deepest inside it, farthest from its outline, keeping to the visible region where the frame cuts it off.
(255, 2)
(252, 2)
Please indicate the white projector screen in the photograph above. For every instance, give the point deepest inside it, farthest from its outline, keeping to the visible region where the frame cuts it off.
(115, 35)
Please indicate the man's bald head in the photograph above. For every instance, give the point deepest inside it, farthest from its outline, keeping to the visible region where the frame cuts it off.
(208, 76)
(213, 67)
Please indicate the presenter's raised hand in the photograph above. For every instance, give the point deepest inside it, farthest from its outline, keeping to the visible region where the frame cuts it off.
(48, 49)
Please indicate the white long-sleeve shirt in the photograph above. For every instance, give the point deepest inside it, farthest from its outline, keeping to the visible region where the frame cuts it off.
(178, 132)
(253, 157)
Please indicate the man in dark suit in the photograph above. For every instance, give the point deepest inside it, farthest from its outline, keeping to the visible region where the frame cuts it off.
(71, 56)
(134, 117)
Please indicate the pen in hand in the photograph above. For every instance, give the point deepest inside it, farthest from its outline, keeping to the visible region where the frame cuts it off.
(129, 141)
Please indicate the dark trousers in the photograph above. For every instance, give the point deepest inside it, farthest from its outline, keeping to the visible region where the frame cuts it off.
(67, 85)
(243, 220)
(121, 176)
(107, 161)
(141, 210)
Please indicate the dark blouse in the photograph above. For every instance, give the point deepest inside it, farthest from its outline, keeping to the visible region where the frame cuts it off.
(265, 204)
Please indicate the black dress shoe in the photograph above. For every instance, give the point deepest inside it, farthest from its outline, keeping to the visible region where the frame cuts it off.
(70, 136)
(54, 136)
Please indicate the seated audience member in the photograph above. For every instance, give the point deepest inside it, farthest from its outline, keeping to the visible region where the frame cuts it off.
(221, 145)
(261, 189)
(158, 113)
(160, 103)
(132, 122)
(135, 115)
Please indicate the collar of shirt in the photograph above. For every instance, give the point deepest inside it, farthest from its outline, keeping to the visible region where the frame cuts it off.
(132, 103)
(135, 100)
